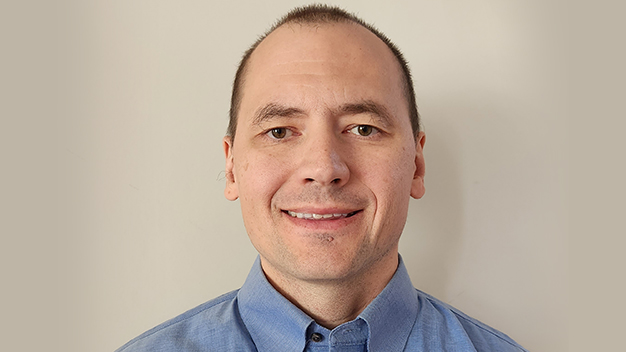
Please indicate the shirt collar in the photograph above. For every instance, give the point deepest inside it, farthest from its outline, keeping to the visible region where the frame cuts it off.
(275, 324)
(392, 314)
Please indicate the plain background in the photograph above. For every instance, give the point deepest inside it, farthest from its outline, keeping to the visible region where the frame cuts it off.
(143, 99)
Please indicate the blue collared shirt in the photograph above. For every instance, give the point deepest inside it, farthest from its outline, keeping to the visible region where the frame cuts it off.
(258, 318)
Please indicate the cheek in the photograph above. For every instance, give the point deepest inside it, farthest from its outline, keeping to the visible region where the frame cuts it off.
(389, 177)
(388, 173)
(259, 176)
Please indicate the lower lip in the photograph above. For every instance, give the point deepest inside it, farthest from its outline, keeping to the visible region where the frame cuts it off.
(323, 224)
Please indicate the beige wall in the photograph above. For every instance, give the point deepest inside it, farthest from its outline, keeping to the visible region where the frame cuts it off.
(153, 236)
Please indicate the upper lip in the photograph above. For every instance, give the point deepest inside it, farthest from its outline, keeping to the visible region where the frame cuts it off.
(321, 211)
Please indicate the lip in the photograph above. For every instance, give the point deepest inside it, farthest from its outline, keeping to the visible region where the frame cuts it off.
(330, 219)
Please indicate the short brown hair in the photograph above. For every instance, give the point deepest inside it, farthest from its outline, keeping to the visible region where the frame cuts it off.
(322, 14)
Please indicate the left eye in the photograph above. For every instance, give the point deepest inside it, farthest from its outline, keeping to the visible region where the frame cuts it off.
(363, 130)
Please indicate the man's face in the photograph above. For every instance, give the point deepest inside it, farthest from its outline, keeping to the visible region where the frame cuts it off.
(324, 158)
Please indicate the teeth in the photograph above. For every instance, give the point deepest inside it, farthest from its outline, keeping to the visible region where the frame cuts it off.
(315, 216)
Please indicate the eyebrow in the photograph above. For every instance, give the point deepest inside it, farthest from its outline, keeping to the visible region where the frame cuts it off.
(274, 110)
(378, 111)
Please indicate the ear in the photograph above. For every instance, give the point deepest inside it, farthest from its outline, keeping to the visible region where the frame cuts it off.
(417, 187)
(230, 192)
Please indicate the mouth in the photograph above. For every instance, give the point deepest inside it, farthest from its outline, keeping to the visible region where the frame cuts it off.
(314, 216)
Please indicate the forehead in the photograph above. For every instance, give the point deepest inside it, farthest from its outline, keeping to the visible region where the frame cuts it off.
(327, 42)
(302, 62)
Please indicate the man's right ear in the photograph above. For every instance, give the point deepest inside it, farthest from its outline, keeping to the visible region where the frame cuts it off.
(230, 192)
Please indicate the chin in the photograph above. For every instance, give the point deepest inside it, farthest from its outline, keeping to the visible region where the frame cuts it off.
(325, 268)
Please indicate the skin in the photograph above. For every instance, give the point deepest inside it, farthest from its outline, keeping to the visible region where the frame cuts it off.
(324, 129)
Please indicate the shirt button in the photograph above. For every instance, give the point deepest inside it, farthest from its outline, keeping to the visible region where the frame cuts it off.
(315, 337)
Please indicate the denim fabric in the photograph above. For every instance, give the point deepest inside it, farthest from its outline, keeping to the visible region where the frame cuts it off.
(258, 318)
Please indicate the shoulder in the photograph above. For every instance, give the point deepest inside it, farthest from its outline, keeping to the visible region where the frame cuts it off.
(441, 324)
(212, 326)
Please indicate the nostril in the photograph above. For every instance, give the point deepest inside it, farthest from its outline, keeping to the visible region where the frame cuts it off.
(310, 179)
(337, 180)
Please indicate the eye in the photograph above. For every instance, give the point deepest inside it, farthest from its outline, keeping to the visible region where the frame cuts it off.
(279, 133)
(363, 130)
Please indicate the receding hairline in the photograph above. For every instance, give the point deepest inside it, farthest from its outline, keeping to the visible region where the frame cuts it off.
(252, 60)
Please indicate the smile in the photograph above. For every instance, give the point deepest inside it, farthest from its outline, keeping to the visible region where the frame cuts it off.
(312, 216)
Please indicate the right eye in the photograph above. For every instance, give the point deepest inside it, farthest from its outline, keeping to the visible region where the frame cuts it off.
(279, 133)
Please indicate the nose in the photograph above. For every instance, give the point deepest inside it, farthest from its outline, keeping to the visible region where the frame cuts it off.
(323, 162)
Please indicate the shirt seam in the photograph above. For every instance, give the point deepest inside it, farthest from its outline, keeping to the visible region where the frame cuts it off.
(487, 330)
(348, 344)
(217, 301)
(472, 321)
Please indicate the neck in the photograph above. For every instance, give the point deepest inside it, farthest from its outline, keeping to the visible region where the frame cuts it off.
(333, 302)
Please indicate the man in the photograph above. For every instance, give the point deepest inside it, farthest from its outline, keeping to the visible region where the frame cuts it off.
(324, 151)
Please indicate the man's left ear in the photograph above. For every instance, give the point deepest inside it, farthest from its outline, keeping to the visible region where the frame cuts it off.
(417, 187)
